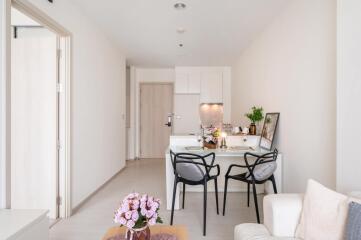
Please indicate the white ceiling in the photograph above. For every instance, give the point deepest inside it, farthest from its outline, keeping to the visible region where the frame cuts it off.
(216, 30)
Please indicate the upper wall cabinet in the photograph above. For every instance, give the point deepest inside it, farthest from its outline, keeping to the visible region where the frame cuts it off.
(212, 86)
(209, 82)
(188, 81)
(181, 82)
(194, 82)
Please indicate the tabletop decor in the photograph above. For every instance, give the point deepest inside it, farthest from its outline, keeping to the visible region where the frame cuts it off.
(137, 212)
(223, 141)
(269, 130)
(210, 138)
(159, 232)
(255, 116)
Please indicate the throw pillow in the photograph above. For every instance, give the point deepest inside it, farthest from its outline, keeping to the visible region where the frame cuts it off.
(323, 215)
(353, 226)
(263, 171)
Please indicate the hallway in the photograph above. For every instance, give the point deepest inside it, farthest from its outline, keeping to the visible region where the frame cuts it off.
(147, 176)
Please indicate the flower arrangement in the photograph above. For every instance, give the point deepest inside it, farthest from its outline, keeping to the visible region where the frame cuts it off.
(138, 211)
(210, 136)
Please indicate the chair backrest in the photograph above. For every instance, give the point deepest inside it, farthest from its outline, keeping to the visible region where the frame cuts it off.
(263, 167)
(192, 167)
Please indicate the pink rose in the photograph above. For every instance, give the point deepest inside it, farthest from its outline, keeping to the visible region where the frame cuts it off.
(130, 224)
(152, 221)
(128, 215)
(143, 211)
(122, 221)
(135, 216)
(125, 207)
(149, 214)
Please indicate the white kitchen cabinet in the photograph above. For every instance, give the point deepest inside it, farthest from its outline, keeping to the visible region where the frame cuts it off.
(186, 114)
(194, 82)
(181, 82)
(211, 86)
(187, 81)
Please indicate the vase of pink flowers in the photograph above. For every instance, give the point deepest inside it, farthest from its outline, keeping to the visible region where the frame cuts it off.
(210, 138)
(137, 212)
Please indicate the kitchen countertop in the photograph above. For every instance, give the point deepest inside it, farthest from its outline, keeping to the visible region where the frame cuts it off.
(231, 152)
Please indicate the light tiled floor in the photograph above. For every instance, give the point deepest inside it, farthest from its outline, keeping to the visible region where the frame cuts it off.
(148, 176)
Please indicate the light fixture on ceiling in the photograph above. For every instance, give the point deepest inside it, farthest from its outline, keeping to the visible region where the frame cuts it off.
(180, 6)
(180, 45)
(181, 30)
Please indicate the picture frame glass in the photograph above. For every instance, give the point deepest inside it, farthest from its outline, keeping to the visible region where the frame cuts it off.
(269, 130)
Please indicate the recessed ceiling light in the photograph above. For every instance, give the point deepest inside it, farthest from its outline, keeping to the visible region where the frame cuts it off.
(179, 6)
(181, 30)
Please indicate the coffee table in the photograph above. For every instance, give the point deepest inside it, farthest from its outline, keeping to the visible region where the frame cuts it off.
(179, 231)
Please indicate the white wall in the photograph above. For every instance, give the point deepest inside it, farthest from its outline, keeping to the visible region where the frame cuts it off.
(98, 101)
(290, 68)
(349, 96)
(2, 113)
(139, 75)
(4, 105)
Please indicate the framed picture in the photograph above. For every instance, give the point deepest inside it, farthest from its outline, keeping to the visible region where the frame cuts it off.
(269, 130)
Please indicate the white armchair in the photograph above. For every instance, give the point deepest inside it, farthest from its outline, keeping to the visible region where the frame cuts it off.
(282, 213)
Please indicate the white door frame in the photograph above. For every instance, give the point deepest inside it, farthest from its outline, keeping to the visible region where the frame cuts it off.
(65, 39)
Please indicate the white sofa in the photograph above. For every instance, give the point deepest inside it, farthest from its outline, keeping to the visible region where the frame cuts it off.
(282, 213)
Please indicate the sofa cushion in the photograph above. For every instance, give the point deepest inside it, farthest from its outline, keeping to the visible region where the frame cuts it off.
(353, 226)
(323, 215)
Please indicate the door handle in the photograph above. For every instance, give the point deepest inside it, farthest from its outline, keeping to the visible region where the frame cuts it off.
(169, 122)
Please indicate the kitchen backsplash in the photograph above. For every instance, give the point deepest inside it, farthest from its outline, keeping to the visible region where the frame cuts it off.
(211, 115)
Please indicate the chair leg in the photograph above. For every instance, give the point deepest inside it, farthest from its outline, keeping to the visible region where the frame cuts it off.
(216, 192)
(255, 201)
(205, 209)
(225, 196)
(274, 184)
(173, 200)
(248, 191)
(184, 194)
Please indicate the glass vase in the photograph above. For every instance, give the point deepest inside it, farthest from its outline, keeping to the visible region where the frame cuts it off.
(138, 233)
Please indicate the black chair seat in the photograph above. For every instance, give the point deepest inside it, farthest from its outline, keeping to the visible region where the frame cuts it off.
(242, 176)
(245, 177)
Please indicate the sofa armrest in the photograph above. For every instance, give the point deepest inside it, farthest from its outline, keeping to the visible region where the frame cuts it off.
(282, 213)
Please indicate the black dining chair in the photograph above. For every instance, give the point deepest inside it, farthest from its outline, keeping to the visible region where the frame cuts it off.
(259, 172)
(193, 169)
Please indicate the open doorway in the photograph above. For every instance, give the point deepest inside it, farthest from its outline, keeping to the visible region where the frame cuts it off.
(40, 112)
(34, 116)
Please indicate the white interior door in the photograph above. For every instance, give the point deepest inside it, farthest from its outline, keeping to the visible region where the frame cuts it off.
(34, 120)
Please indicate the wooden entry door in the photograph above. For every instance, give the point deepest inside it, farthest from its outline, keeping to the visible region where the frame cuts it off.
(156, 103)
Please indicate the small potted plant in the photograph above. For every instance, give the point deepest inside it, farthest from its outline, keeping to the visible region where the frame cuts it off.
(255, 116)
(137, 213)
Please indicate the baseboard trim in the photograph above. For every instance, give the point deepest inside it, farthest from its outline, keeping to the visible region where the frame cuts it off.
(77, 207)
